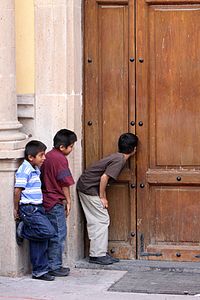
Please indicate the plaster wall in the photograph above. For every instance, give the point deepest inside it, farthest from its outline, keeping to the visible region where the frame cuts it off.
(25, 52)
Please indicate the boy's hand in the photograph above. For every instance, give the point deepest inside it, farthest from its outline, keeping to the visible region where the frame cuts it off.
(16, 214)
(104, 201)
(17, 195)
(67, 208)
(67, 200)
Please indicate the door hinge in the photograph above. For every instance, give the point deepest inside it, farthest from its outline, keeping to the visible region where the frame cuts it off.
(142, 253)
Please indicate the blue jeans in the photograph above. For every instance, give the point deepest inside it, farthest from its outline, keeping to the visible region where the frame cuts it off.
(37, 229)
(56, 243)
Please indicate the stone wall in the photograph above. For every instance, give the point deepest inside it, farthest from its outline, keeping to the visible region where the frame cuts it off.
(58, 91)
(56, 104)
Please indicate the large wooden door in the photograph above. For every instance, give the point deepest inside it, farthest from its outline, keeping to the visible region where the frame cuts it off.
(151, 49)
(109, 107)
(168, 125)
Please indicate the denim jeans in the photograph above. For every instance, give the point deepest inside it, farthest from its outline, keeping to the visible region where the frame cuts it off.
(56, 244)
(37, 229)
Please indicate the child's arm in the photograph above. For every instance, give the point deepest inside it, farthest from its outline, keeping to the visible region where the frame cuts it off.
(66, 192)
(102, 189)
(17, 195)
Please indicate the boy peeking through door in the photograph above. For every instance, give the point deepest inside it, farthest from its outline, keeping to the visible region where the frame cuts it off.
(91, 188)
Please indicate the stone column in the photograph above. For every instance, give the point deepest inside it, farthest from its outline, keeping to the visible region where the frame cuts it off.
(74, 39)
(58, 92)
(11, 142)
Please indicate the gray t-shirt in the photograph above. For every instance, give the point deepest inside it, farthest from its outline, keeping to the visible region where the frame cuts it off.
(111, 165)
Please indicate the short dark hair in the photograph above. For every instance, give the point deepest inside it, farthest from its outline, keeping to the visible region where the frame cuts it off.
(33, 148)
(64, 137)
(127, 142)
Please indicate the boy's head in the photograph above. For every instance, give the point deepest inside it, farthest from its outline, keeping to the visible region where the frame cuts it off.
(35, 152)
(64, 140)
(127, 143)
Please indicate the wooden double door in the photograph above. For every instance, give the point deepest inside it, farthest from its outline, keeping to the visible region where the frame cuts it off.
(142, 75)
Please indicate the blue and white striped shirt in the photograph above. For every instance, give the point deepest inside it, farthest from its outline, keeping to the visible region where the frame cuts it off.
(28, 179)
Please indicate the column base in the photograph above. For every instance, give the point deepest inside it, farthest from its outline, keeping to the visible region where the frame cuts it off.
(9, 131)
(14, 260)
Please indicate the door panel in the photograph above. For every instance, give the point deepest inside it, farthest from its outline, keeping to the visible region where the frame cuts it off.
(112, 74)
(175, 84)
(110, 107)
(121, 231)
(168, 93)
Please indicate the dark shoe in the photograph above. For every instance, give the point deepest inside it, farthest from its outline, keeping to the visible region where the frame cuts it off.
(101, 260)
(65, 269)
(61, 272)
(46, 277)
(114, 259)
(19, 227)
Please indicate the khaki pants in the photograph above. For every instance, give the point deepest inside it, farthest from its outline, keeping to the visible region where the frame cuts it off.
(98, 221)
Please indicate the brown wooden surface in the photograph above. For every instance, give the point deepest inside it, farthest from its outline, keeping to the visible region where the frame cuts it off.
(109, 103)
(164, 41)
(168, 93)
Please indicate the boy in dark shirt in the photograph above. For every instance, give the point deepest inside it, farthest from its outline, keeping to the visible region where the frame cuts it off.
(56, 180)
(91, 188)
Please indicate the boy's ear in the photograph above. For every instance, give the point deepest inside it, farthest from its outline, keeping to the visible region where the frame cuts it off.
(30, 157)
(61, 147)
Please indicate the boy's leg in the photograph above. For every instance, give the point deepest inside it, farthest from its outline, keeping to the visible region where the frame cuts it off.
(57, 218)
(98, 221)
(37, 229)
(36, 224)
(39, 257)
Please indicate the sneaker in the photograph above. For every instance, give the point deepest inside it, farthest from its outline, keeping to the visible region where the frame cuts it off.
(19, 227)
(61, 272)
(101, 260)
(46, 277)
(114, 259)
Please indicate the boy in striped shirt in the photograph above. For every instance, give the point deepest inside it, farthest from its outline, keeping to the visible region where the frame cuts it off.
(28, 200)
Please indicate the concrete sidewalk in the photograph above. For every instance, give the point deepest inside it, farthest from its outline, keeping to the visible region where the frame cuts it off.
(81, 284)
(160, 277)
